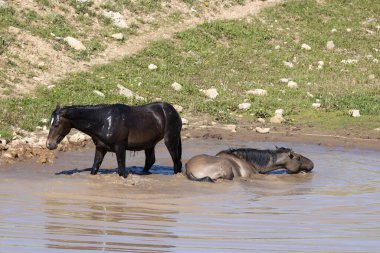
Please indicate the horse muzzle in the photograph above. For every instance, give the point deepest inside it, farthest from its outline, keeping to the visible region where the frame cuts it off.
(51, 146)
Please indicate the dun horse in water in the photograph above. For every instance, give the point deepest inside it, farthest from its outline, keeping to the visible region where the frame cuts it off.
(117, 128)
(245, 162)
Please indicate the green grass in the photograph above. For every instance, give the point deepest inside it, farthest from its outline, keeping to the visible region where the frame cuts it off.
(234, 57)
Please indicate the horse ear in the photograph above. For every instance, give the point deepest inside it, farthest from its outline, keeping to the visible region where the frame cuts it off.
(64, 112)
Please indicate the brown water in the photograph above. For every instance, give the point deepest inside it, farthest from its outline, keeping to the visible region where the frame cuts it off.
(334, 209)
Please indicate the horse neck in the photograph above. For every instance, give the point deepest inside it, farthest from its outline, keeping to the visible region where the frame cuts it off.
(262, 162)
(85, 119)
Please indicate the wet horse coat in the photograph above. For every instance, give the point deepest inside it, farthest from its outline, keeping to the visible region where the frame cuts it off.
(245, 163)
(118, 127)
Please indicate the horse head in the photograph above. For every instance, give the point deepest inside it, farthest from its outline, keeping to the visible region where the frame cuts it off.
(293, 162)
(60, 126)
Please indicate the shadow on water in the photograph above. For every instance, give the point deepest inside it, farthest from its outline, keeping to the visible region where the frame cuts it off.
(136, 170)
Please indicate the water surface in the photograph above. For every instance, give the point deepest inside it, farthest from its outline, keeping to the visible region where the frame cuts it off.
(61, 208)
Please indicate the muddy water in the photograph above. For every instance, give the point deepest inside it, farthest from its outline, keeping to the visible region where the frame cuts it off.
(61, 208)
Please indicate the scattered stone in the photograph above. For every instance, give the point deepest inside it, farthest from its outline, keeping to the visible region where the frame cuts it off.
(377, 129)
(262, 130)
(210, 93)
(44, 121)
(99, 93)
(292, 85)
(184, 121)
(371, 77)
(152, 67)
(79, 139)
(117, 36)
(349, 30)
(74, 43)
(288, 64)
(178, 108)
(284, 80)
(349, 61)
(309, 94)
(244, 106)
(125, 91)
(316, 105)
(117, 18)
(2, 4)
(317, 101)
(334, 30)
(157, 99)
(320, 64)
(3, 144)
(330, 45)
(261, 120)
(50, 87)
(257, 92)
(231, 128)
(306, 46)
(277, 47)
(375, 61)
(176, 86)
(354, 113)
(279, 112)
(277, 119)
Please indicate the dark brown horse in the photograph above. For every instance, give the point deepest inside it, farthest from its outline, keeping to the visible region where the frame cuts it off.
(245, 162)
(117, 128)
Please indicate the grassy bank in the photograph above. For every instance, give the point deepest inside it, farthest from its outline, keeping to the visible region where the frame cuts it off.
(237, 56)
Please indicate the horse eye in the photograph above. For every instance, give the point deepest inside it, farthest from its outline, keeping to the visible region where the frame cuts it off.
(291, 156)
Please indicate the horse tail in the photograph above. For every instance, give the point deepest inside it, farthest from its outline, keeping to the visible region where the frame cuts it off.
(203, 179)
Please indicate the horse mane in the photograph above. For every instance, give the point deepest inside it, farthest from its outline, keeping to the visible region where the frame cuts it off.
(78, 111)
(256, 156)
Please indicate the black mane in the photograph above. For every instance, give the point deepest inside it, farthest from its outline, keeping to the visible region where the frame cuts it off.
(256, 156)
(79, 111)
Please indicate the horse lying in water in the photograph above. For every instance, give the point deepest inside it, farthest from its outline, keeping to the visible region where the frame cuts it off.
(117, 128)
(245, 162)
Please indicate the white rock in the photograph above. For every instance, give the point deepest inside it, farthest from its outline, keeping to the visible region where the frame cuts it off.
(244, 106)
(257, 92)
(2, 4)
(262, 130)
(288, 64)
(317, 101)
(152, 66)
(50, 87)
(184, 121)
(316, 105)
(74, 43)
(306, 46)
(277, 47)
(210, 93)
(261, 120)
(371, 77)
(79, 138)
(279, 112)
(117, 19)
(377, 129)
(125, 91)
(348, 29)
(349, 61)
(330, 45)
(284, 80)
(118, 36)
(176, 86)
(292, 85)
(375, 61)
(320, 64)
(277, 119)
(140, 98)
(99, 93)
(178, 108)
(334, 30)
(44, 121)
(230, 127)
(3, 144)
(309, 94)
(354, 113)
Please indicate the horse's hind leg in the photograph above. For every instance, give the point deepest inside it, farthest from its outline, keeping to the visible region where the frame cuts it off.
(150, 159)
(99, 155)
(174, 146)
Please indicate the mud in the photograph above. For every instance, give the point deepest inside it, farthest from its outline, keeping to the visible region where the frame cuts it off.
(60, 207)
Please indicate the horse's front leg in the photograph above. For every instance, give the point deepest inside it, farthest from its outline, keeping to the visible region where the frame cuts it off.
(99, 155)
(120, 156)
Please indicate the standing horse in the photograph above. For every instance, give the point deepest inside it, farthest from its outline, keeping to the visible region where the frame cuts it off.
(245, 162)
(117, 128)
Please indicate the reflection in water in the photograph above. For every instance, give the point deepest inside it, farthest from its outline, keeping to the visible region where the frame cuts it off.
(107, 226)
(334, 209)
